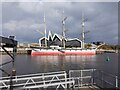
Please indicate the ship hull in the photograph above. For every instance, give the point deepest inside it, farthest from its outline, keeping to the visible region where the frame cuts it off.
(62, 52)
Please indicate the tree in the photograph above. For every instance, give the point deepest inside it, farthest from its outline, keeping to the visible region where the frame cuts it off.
(88, 45)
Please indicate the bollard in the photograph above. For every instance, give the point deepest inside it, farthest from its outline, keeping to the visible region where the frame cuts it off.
(13, 72)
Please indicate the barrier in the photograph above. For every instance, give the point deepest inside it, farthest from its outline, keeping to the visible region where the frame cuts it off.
(42, 80)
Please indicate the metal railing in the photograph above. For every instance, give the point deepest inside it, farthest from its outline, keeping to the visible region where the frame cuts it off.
(106, 80)
(82, 77)
(41, 80)
(94, 77)
(56, 80)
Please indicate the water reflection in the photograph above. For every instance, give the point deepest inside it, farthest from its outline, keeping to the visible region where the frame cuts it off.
(27, 64)
(59, 63)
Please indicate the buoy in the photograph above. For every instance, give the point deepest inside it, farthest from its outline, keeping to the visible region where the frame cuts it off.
(108, 58)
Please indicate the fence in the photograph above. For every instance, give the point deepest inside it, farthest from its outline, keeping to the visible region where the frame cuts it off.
(56, 80)
(42, 80)
(90, 77)
(106, 80)
(82, 77)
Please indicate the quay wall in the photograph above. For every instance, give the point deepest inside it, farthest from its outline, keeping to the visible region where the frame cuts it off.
(19, 51)
(28, 51)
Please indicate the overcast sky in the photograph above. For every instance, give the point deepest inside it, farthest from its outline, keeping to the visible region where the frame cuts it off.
(23, 19)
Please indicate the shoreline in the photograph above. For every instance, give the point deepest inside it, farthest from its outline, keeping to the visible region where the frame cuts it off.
(28, 52)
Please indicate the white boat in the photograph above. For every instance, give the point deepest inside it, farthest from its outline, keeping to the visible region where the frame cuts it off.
(62, 50)
(38, 51)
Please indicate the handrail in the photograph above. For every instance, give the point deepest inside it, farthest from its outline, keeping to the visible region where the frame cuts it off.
(37, 80)
(28, 75)
(41, 82)
(76, 77)
(93, 76)
(35, 77)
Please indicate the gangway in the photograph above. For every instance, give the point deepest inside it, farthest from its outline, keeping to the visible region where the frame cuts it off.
(42, 80)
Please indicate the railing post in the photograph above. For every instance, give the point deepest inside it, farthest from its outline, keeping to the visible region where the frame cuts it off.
(11, 83)
(69, 76)
(101, 78)
(81, 78)
(79, 81)
(116, 84)
(92, 77)
(65, 80)
(43, 80)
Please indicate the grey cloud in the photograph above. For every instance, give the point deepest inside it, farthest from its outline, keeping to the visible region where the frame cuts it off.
(101, 18)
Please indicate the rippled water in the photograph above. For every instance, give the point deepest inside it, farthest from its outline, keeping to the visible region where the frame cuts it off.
(26, 64)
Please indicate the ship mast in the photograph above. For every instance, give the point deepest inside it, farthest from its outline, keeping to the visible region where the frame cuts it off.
(83, 33)
(45, 30)
(63, 29)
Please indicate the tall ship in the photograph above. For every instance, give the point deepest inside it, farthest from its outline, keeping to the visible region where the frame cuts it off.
(56, 44)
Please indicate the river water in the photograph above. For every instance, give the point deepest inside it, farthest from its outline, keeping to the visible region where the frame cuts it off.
(27, 64)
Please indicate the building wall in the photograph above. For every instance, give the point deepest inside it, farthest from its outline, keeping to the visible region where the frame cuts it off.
(58, 42)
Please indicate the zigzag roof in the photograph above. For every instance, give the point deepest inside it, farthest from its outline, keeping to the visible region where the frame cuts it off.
(52, 36)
